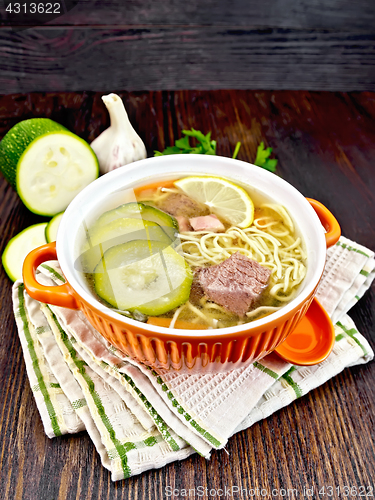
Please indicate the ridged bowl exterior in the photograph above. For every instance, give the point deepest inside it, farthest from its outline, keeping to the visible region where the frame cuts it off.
(210, 352)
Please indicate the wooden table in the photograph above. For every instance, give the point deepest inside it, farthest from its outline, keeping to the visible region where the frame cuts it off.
(325, 143)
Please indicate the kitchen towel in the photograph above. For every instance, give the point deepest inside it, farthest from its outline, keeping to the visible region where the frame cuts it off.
(139, 418)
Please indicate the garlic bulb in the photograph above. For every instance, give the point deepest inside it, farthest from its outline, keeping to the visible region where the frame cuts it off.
(119, 144)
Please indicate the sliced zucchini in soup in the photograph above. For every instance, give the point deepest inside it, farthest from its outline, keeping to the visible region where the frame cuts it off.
(144, 276)
(101, 238)
(135, 210)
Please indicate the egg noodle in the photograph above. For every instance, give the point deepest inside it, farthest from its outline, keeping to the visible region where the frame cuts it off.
(270, 240)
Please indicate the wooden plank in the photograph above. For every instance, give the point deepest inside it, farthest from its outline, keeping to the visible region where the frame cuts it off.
(325, 143)
(309, 14)
(51, 59)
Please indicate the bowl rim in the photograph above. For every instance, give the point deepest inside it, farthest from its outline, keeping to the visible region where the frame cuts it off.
(116, 175)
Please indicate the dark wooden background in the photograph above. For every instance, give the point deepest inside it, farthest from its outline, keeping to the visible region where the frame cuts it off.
(325, 143)
(111, 45)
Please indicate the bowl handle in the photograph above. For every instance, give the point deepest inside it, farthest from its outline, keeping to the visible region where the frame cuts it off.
(56, 295)
(328, 221)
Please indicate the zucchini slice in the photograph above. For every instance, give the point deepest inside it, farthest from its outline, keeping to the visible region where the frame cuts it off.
(101, 238)
(52, 227)
(19, 246)
(136, 210)
(143, 276)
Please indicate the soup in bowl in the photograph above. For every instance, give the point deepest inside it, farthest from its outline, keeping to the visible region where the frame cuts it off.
(177, 277)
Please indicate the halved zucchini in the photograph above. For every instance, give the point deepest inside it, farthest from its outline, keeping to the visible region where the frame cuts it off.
(47, 164)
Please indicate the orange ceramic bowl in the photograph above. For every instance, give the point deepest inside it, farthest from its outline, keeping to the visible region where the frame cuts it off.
(157, 346)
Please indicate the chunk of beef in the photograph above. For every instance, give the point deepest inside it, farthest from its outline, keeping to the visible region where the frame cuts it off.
(235, 284)
(178, 204)
(207, 223)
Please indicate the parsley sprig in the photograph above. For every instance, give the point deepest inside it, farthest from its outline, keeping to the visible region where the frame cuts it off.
(205, 146)
(263, 158)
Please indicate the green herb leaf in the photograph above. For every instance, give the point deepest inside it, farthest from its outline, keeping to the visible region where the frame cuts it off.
(262, 159)
(204, 144)
(183, 143)
(170, 150)
(236, 149)
(197, 134)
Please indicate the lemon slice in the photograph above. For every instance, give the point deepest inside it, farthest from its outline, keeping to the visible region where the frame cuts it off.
(224, 199)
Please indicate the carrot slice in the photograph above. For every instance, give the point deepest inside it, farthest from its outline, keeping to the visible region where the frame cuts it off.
(179, 325)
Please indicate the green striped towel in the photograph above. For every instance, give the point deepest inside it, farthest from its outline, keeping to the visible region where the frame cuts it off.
(139, 419)
(348, 273)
